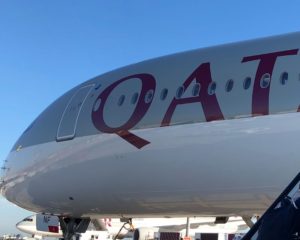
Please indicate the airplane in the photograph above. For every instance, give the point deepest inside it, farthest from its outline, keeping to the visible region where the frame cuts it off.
(39, 229)
(207, 132)
(29, 225)
(147, 228)
(40, 226)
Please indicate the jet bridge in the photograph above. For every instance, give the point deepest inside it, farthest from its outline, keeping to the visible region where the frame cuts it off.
(281, 221)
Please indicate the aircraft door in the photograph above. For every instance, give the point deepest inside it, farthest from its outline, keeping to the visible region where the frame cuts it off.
(68, 123)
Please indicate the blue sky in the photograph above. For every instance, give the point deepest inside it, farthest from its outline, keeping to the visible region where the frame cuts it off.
(48, 47)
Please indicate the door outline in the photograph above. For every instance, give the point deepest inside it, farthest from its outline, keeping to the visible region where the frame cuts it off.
(60, 136)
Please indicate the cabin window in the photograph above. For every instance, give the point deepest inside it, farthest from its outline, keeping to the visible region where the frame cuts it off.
(179, 92)
(164, 94)
(134, 98)
(149, 96)
(196, 90)
(212, 88)
(121, 100)
(247, 83)
(97, 105)
(229, 85)
(284, 78)
(265, 80)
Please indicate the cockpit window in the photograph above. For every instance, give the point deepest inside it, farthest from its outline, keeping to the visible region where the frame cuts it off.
(27, 220)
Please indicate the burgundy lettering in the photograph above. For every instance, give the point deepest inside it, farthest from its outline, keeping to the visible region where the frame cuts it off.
(148, 84)
(209, 103)
(260, 95)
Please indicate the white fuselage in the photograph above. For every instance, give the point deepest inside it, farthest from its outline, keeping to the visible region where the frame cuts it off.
(29, 225)
(117, 146)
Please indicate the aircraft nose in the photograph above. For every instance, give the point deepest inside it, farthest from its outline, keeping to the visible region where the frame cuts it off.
(20, 226)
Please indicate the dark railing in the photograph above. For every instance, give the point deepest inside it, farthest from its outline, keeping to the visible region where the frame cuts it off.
(284, 194)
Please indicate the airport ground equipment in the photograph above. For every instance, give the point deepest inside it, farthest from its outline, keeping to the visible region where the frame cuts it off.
(284, 199)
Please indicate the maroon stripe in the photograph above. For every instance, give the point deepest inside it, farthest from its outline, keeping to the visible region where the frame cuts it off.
(260, 96)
